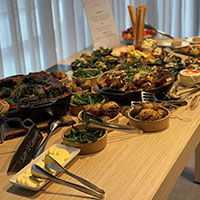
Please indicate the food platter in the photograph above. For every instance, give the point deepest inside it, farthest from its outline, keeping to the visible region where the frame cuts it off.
(73, 152)
(192, 40)
(37, 96)
(165, 43)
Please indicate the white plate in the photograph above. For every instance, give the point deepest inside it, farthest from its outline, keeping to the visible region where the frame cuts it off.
(190, 40)
(73, 152)
(164, 43)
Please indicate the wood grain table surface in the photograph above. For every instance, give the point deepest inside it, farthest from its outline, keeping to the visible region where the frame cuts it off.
(131, 166)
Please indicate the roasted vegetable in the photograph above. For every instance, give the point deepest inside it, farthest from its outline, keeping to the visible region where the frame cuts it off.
(110, 109)
(79, 85)
(148, 112)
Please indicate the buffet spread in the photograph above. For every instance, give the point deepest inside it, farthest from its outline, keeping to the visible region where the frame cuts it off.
(144, 83)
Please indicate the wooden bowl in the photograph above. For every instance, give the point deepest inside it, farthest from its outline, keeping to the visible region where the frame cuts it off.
(113, 120)
(150, 126)
(75, 109)
(64, 80)
(93, 79)
(90, 147)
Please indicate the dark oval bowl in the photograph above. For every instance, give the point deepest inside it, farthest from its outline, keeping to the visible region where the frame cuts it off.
(39, 111)
(125, 97)
(42, 112)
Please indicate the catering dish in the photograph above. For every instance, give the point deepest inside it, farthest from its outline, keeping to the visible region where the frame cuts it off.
(104, 118)
(89, 60)
(132, 81)
(191, 50)
(79, 101)
(171, 44)
(191, 61)
(128, 34)
(193, 40)
(107, 111)
(79, 85)
(93, 140)
(189, 77)
(38, 96)
(87, 74)
(61, 76)
(73, 152)
(149, 116)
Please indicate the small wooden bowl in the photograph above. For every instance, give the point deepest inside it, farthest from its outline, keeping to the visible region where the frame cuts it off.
(93, 79)
(150, 126)
(64, 80)
(113, 120)
(90, 147)
(75, 109)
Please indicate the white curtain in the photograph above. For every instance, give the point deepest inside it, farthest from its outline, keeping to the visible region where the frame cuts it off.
(38, 33)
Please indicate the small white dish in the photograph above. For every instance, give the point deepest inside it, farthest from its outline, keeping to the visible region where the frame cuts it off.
(189, 77)
(73, 152)
(192, 41)
(166, 43)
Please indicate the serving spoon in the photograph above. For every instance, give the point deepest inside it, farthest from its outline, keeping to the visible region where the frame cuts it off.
(92, 121)
(52, 127)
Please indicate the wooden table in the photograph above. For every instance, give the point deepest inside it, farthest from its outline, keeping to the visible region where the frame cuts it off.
(130, 167)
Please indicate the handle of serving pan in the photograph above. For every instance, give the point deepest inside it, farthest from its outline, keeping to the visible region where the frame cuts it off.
(26, 123)
(104, 91)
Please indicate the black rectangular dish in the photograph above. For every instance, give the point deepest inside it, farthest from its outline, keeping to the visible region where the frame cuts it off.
(37, 96)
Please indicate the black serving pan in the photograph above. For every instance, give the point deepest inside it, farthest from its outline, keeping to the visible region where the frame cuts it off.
(39, 111)
(125, 97)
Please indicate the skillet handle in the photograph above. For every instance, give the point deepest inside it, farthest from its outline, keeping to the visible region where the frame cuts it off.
(104, 91)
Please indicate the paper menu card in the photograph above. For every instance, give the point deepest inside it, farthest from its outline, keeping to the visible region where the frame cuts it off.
(101, 22)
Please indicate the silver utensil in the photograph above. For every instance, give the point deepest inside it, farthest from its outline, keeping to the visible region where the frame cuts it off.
(150, 97)
(92, 121)
(38, 172)
(147, 25)
(53, 164)
(194, 103)
(53, 125)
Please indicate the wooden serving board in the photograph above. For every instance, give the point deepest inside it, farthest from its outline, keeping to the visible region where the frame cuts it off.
(12, 132)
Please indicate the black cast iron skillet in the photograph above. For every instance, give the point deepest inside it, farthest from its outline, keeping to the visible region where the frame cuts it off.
(125, 97)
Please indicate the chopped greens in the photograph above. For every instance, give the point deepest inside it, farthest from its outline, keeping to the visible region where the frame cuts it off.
(83, 74)
(85, 99)
(84, 135)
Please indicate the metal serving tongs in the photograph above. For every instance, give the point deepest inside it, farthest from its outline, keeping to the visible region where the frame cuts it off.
(53, 164)
(92, 121)
(147, 25)
(38, 172)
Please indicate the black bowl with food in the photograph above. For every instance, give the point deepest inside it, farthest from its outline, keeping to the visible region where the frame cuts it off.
(124, 86)
(37, 96)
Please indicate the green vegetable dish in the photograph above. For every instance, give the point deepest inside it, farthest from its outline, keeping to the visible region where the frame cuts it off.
(84, 74)
(86, 99)
(84, 135)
